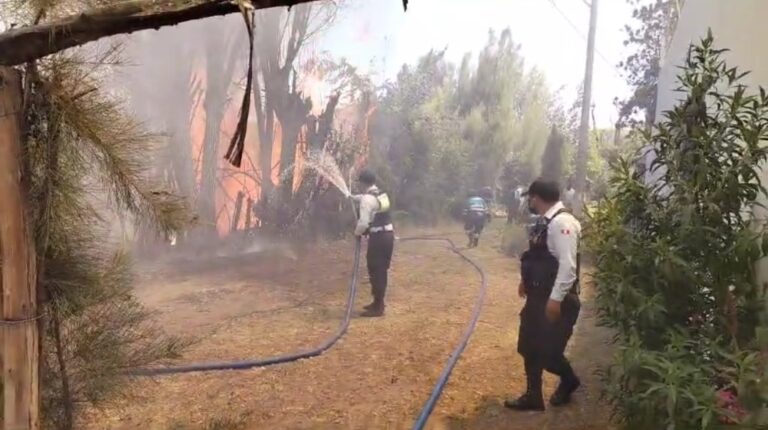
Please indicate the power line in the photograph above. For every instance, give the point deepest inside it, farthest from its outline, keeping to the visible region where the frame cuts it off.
(578, 31)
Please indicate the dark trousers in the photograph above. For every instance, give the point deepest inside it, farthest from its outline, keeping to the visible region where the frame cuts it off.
(542, 343)
(474, 222)
(379, 257)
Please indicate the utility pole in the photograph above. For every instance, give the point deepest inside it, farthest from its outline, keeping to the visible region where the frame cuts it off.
(586, 102)
(18, 276)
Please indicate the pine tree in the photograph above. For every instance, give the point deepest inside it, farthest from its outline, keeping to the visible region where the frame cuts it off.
(552, 159)
(649, 38)
(86, 160)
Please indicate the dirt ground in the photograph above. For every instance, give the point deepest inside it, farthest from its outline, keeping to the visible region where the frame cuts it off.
(379, 375)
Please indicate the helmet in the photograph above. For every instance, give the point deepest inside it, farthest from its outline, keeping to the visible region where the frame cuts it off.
(367, 177)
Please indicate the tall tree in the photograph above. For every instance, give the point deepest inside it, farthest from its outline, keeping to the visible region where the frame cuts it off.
(223, 48)
(505, 108)
(163, 91)
(552, 160)
(440, 130)
(279, 38)
(649, 38)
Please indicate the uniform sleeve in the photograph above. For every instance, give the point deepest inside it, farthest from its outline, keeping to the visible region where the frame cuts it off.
(563, 243)
(368, 206)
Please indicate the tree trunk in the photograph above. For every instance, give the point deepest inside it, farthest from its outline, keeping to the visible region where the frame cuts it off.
(267, 78)
(24, 44)
(66, 390)
(214, 105)
(266, 142)
(238, 209)
(214, 112)
(20, 331)
(291, 130)
(248, 212)
(183, 166)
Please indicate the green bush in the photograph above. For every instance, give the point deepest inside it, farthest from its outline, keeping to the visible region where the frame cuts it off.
(674, 260)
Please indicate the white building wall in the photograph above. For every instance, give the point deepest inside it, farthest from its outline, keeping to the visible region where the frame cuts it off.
(739, 25)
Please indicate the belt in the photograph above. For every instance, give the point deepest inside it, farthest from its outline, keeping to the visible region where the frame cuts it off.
(388, 227)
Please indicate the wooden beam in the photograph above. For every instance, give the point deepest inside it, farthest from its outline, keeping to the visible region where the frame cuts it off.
(19, 313)
(20, 45)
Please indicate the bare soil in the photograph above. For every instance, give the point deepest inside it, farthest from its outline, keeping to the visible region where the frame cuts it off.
(379, 375)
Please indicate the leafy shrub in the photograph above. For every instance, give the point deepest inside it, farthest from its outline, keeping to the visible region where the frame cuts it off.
(674, 259)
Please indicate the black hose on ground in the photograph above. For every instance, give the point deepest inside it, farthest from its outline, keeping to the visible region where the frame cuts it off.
(286, 358)
(429, 406)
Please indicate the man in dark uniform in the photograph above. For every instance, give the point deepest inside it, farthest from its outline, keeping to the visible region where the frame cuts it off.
(476, 214)
(375, 221)
(550, 283)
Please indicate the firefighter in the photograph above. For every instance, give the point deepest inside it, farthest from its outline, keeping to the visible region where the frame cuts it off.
(550, 284)
(475, 216)
(375, 221)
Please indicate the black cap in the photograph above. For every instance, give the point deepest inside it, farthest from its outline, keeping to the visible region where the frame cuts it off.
(546, 190)
(367, 177)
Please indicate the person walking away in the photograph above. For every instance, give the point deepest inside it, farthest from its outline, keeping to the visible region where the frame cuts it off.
(550, 283)
(375, 221)
(475, 216)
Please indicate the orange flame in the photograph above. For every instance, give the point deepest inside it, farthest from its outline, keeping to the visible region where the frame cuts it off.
(231, 180)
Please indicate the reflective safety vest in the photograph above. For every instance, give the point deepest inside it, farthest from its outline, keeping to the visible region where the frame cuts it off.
(476, 204)
(383, 216)
(538, 267)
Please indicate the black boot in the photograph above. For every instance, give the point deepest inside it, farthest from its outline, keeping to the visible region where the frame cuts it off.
(527, 402)
(532, 400)
(562, 395)
(369, 306)
(375, 309)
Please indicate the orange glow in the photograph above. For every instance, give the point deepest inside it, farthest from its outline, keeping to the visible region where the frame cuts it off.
(232, 180)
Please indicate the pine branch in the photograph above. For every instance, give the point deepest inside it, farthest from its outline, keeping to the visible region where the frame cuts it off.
(20, 45)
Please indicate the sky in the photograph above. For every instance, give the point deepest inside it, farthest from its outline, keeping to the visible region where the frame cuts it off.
(378, 37)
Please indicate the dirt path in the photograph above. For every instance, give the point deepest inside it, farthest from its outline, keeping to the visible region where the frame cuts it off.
(378, 376)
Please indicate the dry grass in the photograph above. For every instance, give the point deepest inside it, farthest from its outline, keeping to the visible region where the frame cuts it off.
(380, 374)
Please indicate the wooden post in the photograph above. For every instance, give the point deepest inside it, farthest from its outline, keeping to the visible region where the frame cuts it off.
(582, 151)
(19, 313)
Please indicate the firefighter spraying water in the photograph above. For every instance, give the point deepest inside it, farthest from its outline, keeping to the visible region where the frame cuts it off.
(374, 222)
